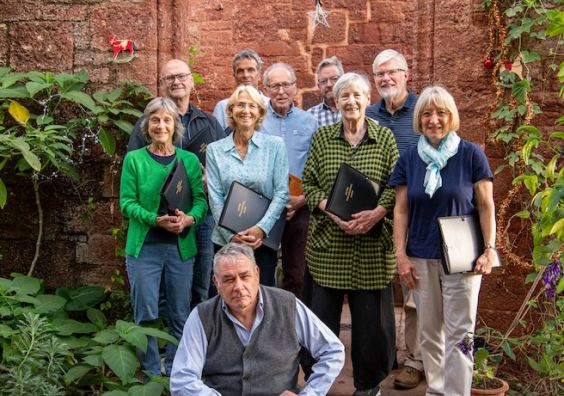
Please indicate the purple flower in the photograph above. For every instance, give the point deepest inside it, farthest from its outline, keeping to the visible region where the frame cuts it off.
(551, 277)
(466, 345)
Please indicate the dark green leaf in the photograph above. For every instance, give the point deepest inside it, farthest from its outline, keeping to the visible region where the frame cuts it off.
(76, 372)
(133, 112)
(50, 303)
(115, 392)
(125, 126)
(44, 119)
(23, 284)
(3, 194)
(508, 350)
(97, 317)
(35, 87)
(12, 78)
(106, 337)
(94, 360)
(149, 389)
(150, 331)
(520, 90)
(82, 298)
(6, 331)
(81, 98)
(529, 57)
(136, 338)
(69, 326)
(18, 92)
(107, 141)
(121, 360)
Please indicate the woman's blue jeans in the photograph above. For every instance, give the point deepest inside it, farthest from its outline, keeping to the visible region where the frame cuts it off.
(156, 261)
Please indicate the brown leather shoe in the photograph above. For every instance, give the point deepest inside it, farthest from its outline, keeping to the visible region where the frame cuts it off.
(408, 378)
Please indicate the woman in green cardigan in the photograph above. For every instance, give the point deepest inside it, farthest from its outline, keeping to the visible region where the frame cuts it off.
(157, 248)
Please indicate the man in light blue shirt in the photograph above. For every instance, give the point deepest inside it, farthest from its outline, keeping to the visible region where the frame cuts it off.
(231, 344)
(247, 66)
(296, 127)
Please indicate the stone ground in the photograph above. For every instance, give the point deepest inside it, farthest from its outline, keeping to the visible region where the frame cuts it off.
(343, 386)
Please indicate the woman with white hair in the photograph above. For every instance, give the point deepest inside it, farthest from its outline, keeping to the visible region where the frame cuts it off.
(349, 257)
(443, 175)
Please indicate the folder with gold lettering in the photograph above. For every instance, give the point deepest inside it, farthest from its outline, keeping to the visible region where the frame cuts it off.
(199, 144)
(244, 208)
(176, 192)
(352, 192)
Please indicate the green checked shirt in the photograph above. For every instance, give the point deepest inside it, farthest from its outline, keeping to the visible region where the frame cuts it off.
(335, 259)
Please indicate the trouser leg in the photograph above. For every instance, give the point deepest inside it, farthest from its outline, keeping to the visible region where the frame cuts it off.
(178, 286)
(429, 302)
(460, 303)
(144, 274)
(203, 262)
(266, 259)
(293, 252)
(373, 339)
(413, 358)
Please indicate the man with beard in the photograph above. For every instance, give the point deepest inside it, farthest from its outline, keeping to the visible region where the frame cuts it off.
(395, 111)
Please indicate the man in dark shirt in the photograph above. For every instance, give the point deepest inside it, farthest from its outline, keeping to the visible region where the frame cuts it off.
(176, 78)
(395, 111)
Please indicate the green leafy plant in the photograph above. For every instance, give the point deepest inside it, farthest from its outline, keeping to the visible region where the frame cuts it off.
(45, 116)
(62, 344)
(531, 32)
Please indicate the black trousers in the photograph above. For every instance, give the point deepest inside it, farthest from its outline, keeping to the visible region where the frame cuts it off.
(373, 334)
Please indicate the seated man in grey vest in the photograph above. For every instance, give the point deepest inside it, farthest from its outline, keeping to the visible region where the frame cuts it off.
(247, 340)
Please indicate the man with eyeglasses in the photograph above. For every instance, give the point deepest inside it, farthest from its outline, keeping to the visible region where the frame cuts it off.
(176, 81)
(395, 111)
(296, 128)
(328, 72)
(247, 66)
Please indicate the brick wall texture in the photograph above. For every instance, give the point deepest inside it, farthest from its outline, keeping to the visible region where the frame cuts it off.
(443, 40)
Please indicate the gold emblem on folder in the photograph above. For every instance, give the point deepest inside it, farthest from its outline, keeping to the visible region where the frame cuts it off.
(349, 192)
(179, 187)
(203, 147)
(242, 208)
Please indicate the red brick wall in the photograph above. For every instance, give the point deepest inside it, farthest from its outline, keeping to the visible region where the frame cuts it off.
(443, 40)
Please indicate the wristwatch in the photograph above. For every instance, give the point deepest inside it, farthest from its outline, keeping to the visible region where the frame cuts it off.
(490, 246)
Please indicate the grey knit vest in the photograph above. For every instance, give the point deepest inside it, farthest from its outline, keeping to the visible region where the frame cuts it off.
(269, 365)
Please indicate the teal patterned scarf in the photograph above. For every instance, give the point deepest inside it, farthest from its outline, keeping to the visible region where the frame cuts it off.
(436, 159)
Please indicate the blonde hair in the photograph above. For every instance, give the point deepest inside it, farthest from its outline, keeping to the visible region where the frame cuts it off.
(439, 97)
(256, 98)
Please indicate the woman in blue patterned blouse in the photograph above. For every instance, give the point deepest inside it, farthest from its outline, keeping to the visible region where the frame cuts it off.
(256, 160)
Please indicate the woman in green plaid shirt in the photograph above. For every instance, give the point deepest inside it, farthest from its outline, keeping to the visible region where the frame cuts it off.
(343, 257)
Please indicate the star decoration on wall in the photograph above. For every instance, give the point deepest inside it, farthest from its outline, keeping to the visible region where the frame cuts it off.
(319, 16)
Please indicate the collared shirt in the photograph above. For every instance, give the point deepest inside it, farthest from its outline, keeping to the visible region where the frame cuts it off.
(312, 333)
(220, 110)
(296, 128)
(264, 169)
(400, 122)
(324, 114)
(337, 260)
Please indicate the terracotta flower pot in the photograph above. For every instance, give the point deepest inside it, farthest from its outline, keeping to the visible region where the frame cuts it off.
(498, 391)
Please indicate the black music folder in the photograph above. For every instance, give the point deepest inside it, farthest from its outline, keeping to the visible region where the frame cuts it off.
(244, 208)
(176, 192)
(199, 144)
(463, 243)
(352, 192)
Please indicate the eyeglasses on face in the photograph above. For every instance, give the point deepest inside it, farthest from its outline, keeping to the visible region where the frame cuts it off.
(285, 86)
(440, 113)
(324, 81)
(244, 105)
(391, 73)
(172, 77)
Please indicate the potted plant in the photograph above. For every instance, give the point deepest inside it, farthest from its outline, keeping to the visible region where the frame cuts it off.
(484, 381)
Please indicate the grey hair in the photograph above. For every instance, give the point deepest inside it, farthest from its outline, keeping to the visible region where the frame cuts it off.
(332, 61)
(278, 65)
(388, 55)
(247, 53)
(231, 252)
(168, 105)
(349, 79)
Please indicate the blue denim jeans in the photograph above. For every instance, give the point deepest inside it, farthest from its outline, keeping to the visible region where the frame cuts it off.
(203, 262)
(156, 262)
